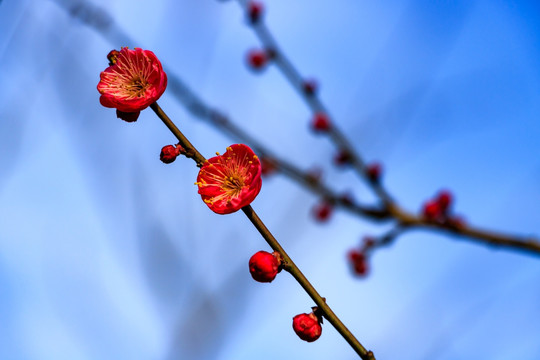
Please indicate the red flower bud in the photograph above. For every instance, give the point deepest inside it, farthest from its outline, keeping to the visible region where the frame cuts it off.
(320, 122)
(322, 211)
(444, 199)
(432, 210)
(264, 266)
(112, 56)
(343, 158)
(307, 327)
(373, 172)
(358, 262)
(169, 153)
(309, 87)
(257, 59)
(255, 10)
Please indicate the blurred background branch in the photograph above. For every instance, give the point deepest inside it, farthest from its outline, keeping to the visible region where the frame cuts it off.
(442, 93)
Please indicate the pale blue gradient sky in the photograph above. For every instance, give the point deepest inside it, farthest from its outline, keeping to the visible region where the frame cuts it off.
(106, 253)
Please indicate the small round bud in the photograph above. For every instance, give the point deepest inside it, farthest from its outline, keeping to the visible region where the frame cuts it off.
(343, 158)
(264, 266)
(444, 199)
(255, 10)
(309, 87)
(257, 59)
(320, 122)
(112, 56)
(322, 211)
(169, 153)
(307, 327)
(431, 210)
(373, 172)
(358, 262)
(128, 116)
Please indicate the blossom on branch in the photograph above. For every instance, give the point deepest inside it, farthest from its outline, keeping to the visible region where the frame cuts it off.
(257, 59)
(309, 87)
(320, 122)
(134, 80)
(264, 266)
(438, 208)
(169, 153)
(307, 327)
(255, 10)
(230, 181)
(373, 172)
(358, 262)
(323, 211)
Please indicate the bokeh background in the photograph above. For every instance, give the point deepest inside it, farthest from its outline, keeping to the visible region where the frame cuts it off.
(106, 253)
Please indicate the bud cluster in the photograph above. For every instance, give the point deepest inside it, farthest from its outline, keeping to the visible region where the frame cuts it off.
(358, 258)
(438, 210)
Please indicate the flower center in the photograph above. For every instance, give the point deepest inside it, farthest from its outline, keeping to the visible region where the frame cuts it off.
(137, 87)
(233, 184)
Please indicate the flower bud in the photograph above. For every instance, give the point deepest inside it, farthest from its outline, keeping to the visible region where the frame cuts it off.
(444, 199)
(264, 266)
(307, 327)
(358, 262)
(320, 122)
(255, 10)
(169, 153)
(257, 59)
(343, 158)
(112, 56)
(309, 87)
(373, 172)
(322, 211)
(431, 210)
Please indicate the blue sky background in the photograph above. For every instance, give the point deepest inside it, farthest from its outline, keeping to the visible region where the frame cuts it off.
(106, 253)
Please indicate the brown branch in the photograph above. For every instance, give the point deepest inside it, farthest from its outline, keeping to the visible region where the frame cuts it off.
(530, 244)
(98, 19)
(290, 266)
(280, 59)
(390, 207)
